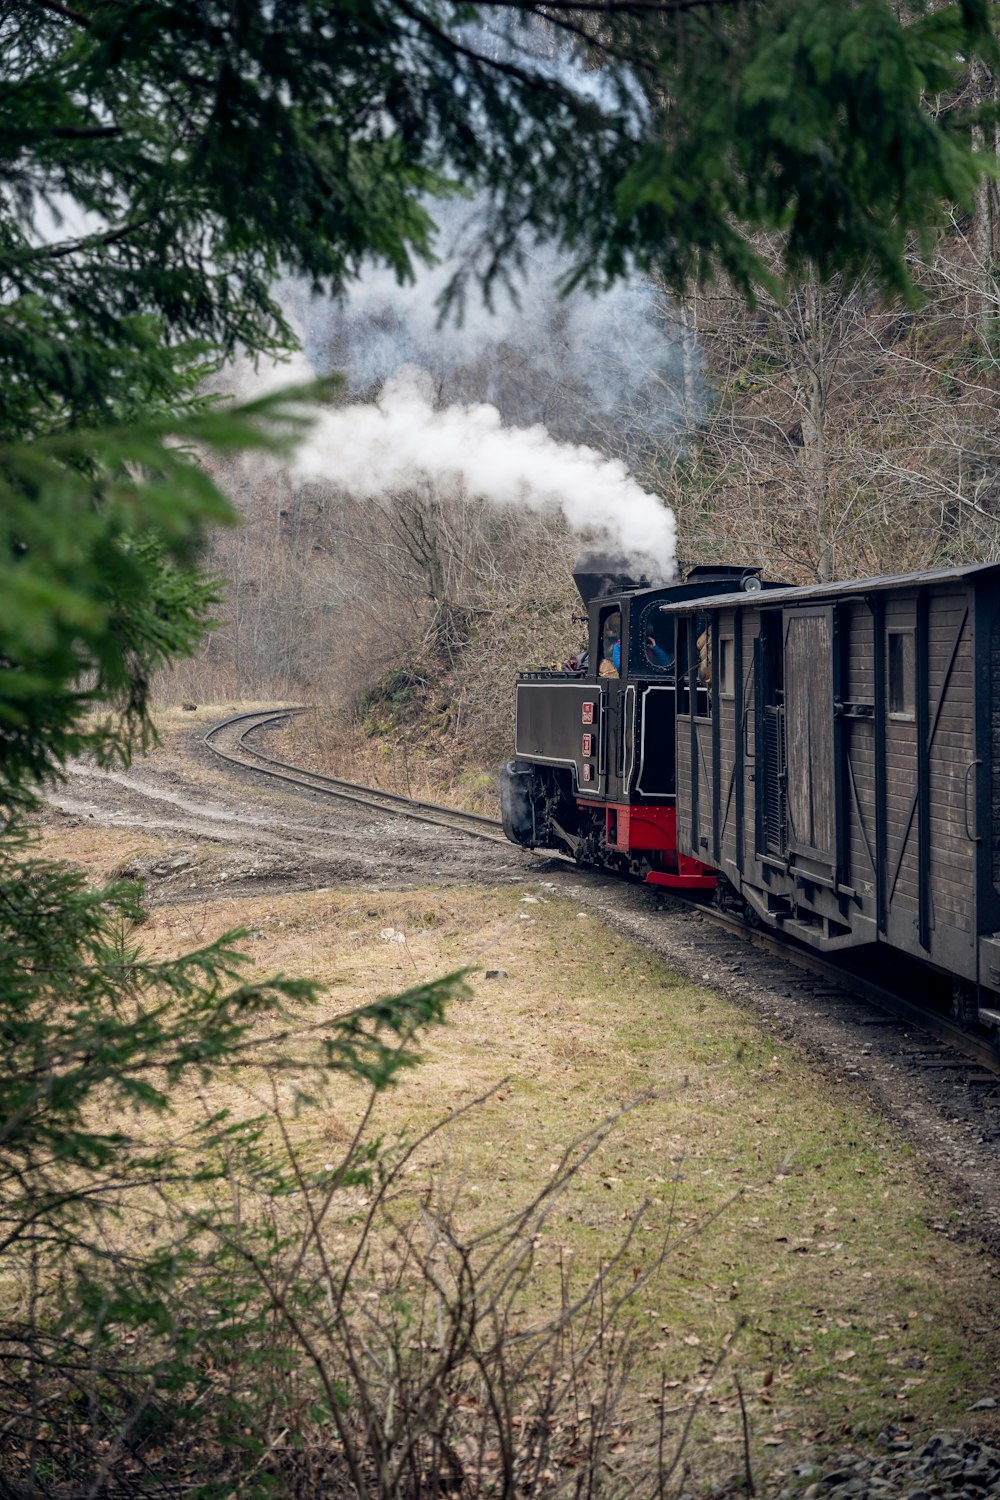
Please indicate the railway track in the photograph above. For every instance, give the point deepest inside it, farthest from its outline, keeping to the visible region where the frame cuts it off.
(228, 740)
(977, 1048)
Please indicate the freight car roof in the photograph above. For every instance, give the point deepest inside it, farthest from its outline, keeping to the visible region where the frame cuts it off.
(845, 588)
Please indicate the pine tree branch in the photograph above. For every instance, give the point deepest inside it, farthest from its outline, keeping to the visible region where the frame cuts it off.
(66, 11)
(613, 7)
(487, 64)
(84, 132)
(90, 242)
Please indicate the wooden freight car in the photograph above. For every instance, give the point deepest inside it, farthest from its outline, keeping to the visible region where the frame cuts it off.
(841, 767)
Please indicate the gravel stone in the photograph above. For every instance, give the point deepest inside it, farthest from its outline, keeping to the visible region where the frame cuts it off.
(943, 1468)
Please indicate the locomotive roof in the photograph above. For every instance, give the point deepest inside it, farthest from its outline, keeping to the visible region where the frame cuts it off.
(845, 588)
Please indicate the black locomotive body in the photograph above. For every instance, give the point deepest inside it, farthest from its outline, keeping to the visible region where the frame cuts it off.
(839, 764)
(594, 744)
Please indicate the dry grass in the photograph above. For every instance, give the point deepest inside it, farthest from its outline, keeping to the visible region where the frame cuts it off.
(794, 1208)
(421, 759)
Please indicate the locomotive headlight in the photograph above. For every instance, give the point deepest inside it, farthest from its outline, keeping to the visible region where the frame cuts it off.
(752, 584)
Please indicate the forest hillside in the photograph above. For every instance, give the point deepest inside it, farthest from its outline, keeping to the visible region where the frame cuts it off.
(827, 433)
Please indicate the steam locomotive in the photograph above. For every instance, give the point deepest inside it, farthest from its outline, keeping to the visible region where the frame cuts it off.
(826, 759)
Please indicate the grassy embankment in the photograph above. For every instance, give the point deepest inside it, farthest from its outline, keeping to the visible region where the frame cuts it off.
(790, 1205)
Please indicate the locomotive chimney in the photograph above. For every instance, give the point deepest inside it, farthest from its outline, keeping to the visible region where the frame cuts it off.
(597, 574)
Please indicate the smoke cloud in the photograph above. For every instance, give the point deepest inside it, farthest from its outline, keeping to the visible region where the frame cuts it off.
(540, 400)
(547, 399)
(400, 442)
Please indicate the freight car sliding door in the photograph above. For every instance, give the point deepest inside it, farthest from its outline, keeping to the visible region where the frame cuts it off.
(811, 789)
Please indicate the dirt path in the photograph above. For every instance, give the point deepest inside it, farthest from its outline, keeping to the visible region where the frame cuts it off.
(240, 831)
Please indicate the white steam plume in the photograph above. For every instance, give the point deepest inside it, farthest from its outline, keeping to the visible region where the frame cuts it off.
(372, 451)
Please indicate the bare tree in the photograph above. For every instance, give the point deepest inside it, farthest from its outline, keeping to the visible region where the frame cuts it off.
(846, 435)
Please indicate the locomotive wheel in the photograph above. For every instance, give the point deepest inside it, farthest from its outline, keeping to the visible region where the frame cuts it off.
(964, 1009)
(726, 898)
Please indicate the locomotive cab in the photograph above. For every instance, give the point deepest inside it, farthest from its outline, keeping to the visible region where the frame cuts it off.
(594, 767)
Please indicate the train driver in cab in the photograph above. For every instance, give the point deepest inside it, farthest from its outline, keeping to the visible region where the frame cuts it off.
(658, 655)
(611, 645)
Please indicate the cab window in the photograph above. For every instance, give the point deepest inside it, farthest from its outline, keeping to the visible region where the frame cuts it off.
(611, 644)
(656, 643)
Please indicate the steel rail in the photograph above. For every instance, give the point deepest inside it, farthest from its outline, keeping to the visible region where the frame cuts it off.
(977, 1048)
(355, 786)
(333, 786)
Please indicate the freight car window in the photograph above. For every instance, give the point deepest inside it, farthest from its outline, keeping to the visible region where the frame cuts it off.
(727, 664)
(902, 675)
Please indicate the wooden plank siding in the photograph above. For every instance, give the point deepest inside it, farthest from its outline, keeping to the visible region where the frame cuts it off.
(727, 711)
(951, 730)
(809, 740)
(950, 717)
(751, 632)
(901, 779)
(683, 786)
(839, 652)
(702, 832)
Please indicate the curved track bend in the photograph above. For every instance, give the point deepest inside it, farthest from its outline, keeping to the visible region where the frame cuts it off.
(228, 740)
